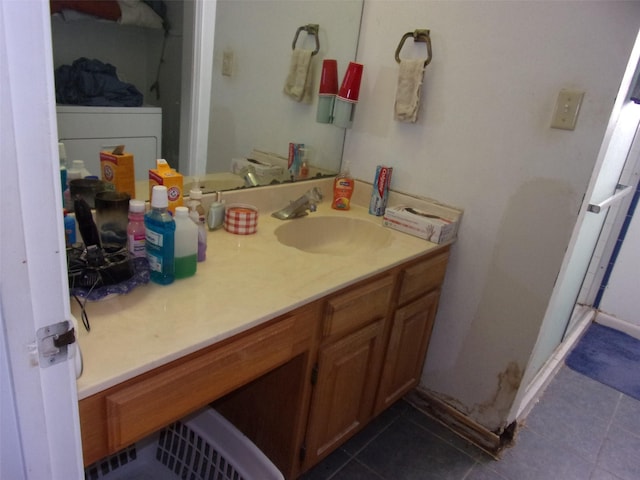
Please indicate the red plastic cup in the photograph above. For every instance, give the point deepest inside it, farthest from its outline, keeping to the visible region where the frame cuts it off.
(329, 77)
(350, 88)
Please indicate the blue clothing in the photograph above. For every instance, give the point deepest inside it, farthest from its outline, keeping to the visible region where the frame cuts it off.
(93, 83)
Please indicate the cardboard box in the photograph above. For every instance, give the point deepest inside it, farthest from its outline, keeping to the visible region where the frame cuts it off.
(117, 169)
(421, 223)
(240, 165)
(380, 192)
(163, 174)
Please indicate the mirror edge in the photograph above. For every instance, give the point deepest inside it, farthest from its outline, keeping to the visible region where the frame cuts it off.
(194, 115)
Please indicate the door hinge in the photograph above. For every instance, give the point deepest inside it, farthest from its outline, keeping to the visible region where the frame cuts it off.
(314, 374)
(53, 341)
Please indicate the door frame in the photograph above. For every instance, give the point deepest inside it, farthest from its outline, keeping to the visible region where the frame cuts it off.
(536, 376)
(197, 71)
(33, 279)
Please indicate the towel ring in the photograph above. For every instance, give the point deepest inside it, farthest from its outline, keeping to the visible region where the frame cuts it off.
(418, 36)
(311, 29)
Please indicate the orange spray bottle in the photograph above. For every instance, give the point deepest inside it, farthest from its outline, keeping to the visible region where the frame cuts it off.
(342, 190)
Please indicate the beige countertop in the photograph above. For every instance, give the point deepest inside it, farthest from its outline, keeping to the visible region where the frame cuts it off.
(245, 281)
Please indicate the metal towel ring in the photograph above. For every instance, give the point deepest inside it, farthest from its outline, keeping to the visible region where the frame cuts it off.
(311, 29)
(418, 36)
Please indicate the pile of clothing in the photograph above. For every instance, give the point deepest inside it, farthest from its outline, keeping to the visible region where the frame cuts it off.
(93, 83)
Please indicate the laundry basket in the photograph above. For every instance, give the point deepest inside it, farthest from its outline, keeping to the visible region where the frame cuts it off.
(203, 446)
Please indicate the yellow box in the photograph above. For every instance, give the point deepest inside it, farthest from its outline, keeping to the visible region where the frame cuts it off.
(163, 174)
(117, 168)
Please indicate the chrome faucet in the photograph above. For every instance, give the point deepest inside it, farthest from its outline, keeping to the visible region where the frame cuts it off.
(298, 208)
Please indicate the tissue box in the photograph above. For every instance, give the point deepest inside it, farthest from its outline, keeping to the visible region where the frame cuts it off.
(421, 224)
(261, 169)
(117, 169)
(167, 176)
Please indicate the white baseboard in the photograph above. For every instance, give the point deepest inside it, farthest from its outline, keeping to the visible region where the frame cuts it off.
(617, 324)
(536, 387)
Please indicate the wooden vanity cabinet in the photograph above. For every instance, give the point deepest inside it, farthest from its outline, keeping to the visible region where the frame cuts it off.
(410, 328)
(299, 385)
(348, 366)
(121, 415)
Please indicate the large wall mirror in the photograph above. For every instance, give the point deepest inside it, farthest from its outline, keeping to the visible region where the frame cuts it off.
(235, 108)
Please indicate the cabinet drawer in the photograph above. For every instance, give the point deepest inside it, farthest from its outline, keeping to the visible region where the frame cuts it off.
(357, 307)
(422, 277)
(152, 403)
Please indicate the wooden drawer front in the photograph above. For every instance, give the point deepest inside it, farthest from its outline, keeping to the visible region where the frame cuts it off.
(358, 307)
(138, 410)
(422, 277)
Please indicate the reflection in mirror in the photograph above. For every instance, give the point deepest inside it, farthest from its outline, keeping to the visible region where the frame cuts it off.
(248, 111)
(251, 117)
(135, 49)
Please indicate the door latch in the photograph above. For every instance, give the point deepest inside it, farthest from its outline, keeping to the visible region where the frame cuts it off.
(53, 341)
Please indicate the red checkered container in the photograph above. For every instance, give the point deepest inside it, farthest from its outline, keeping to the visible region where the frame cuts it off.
(241, 219)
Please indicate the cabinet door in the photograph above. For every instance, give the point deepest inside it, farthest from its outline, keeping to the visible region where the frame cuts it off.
(342, 402)
(410, 333)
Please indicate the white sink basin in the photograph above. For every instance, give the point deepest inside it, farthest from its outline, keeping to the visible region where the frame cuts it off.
(333, 235)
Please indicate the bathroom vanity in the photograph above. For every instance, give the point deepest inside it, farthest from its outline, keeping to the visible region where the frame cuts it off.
(299, 350)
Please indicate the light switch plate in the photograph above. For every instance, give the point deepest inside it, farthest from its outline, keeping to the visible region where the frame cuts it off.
(565, 114)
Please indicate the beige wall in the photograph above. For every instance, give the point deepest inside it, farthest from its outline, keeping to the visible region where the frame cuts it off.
(483, 143)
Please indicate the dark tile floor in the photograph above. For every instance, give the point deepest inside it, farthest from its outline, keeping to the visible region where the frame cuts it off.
(579, 430)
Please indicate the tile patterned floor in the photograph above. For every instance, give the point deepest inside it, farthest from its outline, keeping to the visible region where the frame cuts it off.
(579, 430)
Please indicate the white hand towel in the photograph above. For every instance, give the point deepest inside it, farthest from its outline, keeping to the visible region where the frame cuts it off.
(298, 84)
(408, 90)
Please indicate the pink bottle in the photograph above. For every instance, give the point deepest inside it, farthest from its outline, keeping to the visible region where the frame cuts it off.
(136, 229)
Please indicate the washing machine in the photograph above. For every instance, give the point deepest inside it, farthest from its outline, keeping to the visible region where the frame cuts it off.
(85, 131)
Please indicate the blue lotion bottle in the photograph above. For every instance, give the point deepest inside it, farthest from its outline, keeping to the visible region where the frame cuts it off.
(160, 237)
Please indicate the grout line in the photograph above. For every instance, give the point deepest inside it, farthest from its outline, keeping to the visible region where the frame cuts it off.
(353, 456)
(494, 474)
(368, 468)
(607, 430)
(453, 432)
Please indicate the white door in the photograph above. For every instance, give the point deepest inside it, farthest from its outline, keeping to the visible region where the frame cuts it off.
(614, 291)
(40, 408)
(602, 195)
(620, 299)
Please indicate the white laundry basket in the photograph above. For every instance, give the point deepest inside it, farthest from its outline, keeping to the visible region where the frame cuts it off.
(203, 446)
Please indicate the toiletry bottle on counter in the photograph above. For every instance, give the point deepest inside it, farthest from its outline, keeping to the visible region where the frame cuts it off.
(80, 171)
(215, 216)
(77, 170)
(160, 229)
(69, 229)
(196, 213)
(186, 251)
(135, 229)
(71, 174)
(304, 169)
(342, 190)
